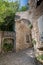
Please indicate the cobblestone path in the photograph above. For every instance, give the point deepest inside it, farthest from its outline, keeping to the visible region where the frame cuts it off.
(25, 57)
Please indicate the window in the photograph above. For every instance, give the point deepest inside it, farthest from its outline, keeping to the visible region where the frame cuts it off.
(40, 24)
(38, 2)
(27, 38)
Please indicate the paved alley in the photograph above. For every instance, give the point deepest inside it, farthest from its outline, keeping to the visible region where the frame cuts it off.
(25, 57)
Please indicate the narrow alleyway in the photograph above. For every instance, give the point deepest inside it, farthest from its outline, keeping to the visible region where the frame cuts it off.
(25, 57)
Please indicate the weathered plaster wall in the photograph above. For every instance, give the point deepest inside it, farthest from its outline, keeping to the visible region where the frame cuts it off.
(37, 12)
(22, 30)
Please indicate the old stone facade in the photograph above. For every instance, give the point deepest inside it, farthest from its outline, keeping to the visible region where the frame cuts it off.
(23, 31)
(6, 37)
(21, 38)
(36, 8)
(23, 35)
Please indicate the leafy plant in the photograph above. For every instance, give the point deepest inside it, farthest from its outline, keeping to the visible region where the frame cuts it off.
(7, 9)
(31, 26)
(40, 57)
(7, 47)
(33, 41)
(23, 8)
(8, 24)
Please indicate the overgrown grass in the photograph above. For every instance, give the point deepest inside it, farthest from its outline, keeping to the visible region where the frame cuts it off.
(40, 57)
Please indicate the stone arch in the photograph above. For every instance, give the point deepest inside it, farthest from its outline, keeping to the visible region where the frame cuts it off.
(25, 20)
(7, 40)
(23, 36)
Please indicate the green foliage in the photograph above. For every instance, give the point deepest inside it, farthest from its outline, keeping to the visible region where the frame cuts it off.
(33, 41)
(31, 26)
(7, 9)
(40, 57)
(7, 47)
(23, 8)
(9, 23)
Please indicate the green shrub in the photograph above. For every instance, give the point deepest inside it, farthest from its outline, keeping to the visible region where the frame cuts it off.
(7, 47)
(31, 26)
(40, 57)
(33, 41)
(23, 8)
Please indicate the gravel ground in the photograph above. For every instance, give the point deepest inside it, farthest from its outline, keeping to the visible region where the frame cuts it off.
(25, 57)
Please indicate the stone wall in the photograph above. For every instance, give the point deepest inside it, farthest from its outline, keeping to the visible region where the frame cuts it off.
(22, 29)
(37, 12)
(9, 36)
